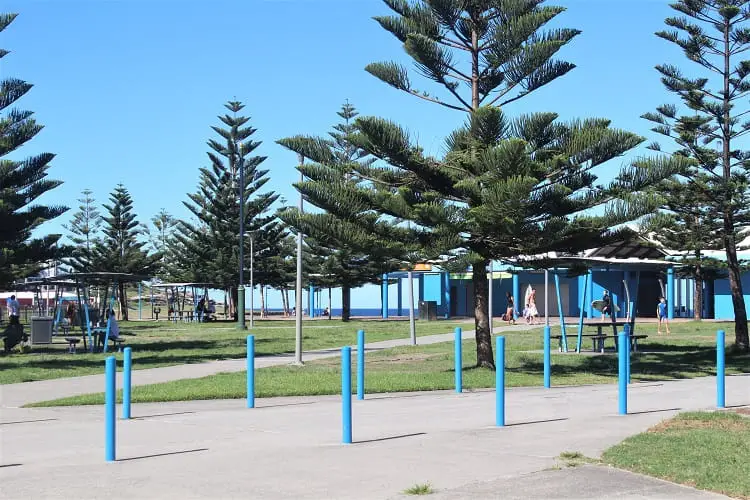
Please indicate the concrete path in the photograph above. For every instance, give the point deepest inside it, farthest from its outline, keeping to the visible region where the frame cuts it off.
(290, 447)
(16, 395)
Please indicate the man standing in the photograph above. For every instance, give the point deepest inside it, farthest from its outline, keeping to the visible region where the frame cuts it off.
(606, 305)
(14, 309)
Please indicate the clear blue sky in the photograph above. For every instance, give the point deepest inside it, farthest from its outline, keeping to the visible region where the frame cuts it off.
(127, 89)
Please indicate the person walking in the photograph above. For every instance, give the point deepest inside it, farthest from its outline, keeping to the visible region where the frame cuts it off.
(661, 313)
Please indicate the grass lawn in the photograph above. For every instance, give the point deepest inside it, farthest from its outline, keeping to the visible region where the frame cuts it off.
(709, 451)
(689, 352)
(162, 344)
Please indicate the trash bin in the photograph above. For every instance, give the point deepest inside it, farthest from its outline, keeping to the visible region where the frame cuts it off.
(428, 310)
(41, 329)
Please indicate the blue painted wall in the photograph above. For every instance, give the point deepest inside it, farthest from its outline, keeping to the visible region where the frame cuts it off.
(723, 308)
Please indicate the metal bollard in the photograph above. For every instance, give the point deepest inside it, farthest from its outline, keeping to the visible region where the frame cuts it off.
(126, 377)
(346, 394)
(251, 371)
(458, 366)
(500, 383)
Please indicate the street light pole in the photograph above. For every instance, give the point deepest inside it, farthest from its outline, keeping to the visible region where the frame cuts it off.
(241, 287)
(298, 292)
(252, 284)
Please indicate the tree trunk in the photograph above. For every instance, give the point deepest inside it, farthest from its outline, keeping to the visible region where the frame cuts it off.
(698, 291)
(346, 302)
(262, 302)
(283, 301)
(123, 301)
(485, 358)
(288, 309)
(233, 302)
(330, 304)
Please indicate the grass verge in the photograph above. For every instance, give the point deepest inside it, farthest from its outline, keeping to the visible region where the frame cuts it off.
(162, 343)
(709, 451)
(430, 367)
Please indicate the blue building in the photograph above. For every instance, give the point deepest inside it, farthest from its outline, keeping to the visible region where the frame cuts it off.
(636, 273)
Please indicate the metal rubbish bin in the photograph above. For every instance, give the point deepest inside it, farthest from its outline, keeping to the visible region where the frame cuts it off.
(428, 310)
(41, 329)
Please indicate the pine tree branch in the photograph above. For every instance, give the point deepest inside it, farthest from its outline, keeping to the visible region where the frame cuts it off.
(416, 93)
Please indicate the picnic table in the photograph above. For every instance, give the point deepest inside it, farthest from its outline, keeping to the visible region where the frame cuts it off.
(598, 339)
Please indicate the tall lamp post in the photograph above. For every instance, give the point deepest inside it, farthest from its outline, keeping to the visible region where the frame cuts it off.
(252, 285)
(241, 286)
(298, 291)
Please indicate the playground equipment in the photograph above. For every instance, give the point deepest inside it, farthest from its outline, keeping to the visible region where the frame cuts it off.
(177, 299)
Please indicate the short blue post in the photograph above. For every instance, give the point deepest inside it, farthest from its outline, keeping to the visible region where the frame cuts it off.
(110, 389)
(346, 394)
(626, 331)
(720, 390)
(251, 371)
(361, 364)
(458, 361)
(622, 351)
(547, 360)
(126, 372)
(500, 383)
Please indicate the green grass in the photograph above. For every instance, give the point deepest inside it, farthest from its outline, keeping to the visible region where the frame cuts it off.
(709, 451)
(419, 489)
(162, 343)
(688, 353)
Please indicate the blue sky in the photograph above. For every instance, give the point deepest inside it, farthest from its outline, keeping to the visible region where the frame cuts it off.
(127, 89)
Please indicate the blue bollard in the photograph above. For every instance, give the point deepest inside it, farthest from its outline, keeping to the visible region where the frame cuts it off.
(346, 394)
(627, 359)
(622, 352)
(126, 372)
(361, 364)
(547, 359)
(110, 394)
(500, 383)
(251, 371)
(458, 361)
(720, 370)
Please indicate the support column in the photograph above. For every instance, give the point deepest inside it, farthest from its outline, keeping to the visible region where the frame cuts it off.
(384, 296)
(590, 296)
(311, 301)
(516, 294)
(399, 293)
(670, 293)
(447, 293)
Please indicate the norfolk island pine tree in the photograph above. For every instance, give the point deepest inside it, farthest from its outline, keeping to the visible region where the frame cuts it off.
(714, 35)
(21, 183)
(506, 188)
(347, 259)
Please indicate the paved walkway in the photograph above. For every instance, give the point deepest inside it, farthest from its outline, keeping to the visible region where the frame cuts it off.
(290, 447)
(16, 395)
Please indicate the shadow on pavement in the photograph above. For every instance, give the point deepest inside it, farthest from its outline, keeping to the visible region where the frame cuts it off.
(162, 454)
(653, 411)
(29, 421)
(515, 424)
(141, 417)
(390, 438)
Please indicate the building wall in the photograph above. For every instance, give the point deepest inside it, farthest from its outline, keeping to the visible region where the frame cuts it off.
(723, 308)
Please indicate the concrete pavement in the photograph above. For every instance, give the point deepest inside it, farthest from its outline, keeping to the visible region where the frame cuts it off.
(290, 447)
(16, 395)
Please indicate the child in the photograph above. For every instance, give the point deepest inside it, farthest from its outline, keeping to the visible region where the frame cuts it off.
(510, 308)
(661, 313)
